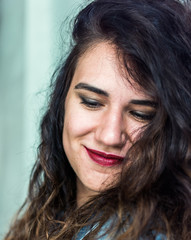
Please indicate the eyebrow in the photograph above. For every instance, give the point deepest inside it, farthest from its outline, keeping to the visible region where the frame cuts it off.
(104, 93)
(91, 89)
(144, 103)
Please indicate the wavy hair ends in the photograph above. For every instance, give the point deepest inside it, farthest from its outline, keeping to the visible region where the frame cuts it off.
(153, 41)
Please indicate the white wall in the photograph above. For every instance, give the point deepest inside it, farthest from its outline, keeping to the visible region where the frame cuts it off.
(30, 45)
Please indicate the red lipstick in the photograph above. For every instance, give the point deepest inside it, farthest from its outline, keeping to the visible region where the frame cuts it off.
(104, 159)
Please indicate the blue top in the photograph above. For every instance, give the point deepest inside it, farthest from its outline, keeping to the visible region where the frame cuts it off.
(85, 230)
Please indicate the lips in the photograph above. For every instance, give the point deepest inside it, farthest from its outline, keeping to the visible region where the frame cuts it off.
(104, 159)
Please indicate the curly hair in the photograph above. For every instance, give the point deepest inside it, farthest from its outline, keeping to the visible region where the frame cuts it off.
(153, 195)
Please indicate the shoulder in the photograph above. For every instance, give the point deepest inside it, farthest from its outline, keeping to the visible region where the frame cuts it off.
(102, 236)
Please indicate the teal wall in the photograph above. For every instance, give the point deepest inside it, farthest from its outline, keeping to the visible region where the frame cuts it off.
(30, 46)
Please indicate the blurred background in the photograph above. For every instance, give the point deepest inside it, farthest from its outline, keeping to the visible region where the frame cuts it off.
(34, 34)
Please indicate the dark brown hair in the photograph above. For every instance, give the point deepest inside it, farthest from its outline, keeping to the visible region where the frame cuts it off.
(153, 41)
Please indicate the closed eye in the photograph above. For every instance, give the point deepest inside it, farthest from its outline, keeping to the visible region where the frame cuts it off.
(90, 103)
(141, 116)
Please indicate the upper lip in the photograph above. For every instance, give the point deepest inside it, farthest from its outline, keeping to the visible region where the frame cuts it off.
(105, 155)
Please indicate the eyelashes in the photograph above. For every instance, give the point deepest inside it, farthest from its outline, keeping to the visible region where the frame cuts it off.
(141, 116)
(90, 103)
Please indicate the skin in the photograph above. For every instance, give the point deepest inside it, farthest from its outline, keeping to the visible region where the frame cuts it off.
(108, 123)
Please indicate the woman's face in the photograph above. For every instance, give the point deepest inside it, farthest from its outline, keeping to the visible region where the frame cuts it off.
(103, 117)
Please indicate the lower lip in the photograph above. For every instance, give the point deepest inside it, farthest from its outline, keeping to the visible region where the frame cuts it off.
(107, 162)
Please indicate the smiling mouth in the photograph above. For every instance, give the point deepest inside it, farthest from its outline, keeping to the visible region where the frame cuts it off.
(104, 159)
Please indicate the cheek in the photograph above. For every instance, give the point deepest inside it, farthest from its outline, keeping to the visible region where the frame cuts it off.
(77, 122)
(134, 130)
(71, 127)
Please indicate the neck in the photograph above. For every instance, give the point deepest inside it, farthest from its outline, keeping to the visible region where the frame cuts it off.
(83, 194)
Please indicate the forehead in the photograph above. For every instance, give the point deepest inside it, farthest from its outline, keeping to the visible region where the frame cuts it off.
(100, 67)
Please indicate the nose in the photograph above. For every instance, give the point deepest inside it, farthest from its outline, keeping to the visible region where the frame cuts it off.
(111, 130)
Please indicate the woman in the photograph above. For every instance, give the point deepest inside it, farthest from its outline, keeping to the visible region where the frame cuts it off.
(115, 156)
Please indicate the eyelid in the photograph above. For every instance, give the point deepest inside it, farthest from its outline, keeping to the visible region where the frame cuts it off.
(90, 103)
(84, 97)
(144, 108)
(91, 97)
(143, 115)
